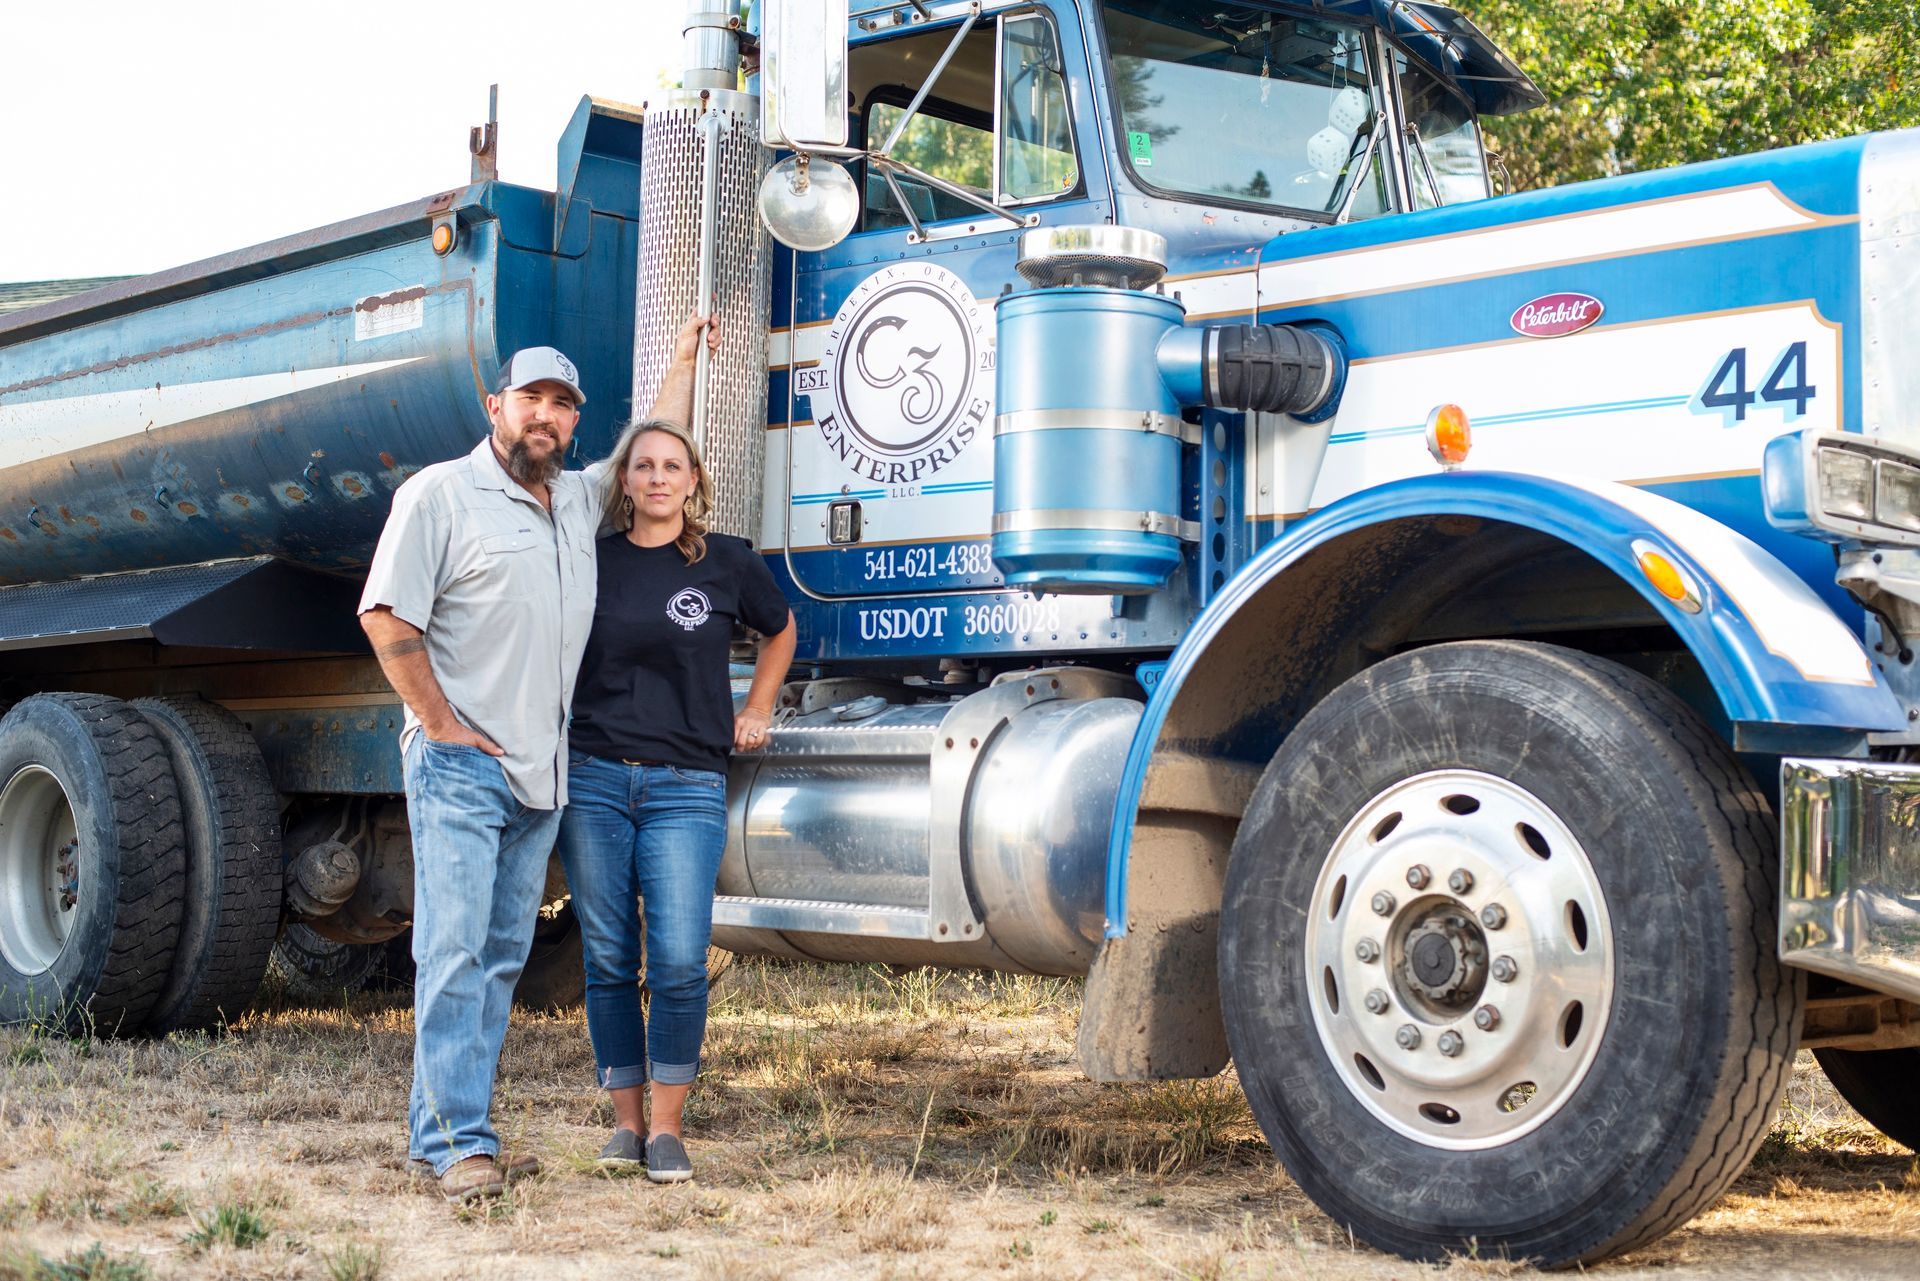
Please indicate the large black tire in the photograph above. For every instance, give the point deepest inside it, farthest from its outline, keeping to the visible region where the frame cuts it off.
(310, 969)
(1882, 1085)
(88, 930)
(1690, 1025)
(234, 873)
(555, 975)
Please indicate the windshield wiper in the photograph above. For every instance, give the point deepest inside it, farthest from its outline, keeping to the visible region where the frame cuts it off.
(1359, 173)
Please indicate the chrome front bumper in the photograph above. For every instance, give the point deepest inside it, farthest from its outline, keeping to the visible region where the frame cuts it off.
(1850, 871)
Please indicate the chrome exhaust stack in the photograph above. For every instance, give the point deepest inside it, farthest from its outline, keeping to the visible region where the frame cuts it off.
(702, 247)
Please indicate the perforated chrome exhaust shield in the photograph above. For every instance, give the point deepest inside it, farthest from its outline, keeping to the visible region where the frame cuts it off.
(733, 408)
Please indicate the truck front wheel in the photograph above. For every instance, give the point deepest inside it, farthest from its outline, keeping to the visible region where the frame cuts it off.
(1496, 957)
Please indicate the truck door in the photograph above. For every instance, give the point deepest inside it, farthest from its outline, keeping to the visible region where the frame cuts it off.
(885, 469)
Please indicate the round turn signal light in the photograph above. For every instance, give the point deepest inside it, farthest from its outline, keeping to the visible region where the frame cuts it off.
(1449, 436)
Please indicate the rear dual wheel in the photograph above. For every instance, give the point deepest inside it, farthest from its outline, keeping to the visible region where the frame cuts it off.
(92, 864)
(234, 876)
(1882, 1085)
(1497, 957)
(555, 978)
(139, 864)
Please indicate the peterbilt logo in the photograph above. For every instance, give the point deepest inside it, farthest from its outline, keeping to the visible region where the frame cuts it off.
(899, 392)
(1556, 315)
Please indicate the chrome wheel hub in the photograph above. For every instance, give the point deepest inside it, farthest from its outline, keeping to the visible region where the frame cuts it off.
(39, 870)
(1460, 953)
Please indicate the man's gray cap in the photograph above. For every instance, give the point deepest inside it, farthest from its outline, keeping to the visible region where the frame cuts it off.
(530, 365)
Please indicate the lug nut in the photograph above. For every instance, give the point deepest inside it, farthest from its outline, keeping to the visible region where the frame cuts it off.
(1377, 1001)
(1408, 1037)
(1451, 1043)
(1461, 881)
(1367, 950)
(1493, 916)
(1418, 876)
(1486, 1018)
(1383, 903)
(1505, 969)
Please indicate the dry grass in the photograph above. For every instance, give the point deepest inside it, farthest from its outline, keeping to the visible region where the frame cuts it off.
(852, 1122)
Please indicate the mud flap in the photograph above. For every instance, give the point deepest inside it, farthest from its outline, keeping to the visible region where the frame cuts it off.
(1152, 1005)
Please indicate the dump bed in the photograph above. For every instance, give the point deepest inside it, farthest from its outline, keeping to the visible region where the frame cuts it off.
(267, 403)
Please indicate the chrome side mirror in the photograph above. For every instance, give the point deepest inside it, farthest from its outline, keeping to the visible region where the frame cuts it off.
(803, 74)
(809, 203)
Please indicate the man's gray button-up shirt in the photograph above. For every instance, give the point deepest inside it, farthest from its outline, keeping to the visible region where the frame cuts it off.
(503, 590)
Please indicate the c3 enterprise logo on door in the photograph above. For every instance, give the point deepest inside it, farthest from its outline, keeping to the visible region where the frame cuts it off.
(905, 382)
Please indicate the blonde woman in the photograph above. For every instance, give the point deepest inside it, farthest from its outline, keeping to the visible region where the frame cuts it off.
(653, 723)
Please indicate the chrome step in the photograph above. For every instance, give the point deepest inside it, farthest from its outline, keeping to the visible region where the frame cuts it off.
(815, 916)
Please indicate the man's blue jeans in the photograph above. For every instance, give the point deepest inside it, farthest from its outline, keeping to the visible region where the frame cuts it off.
(479, 865)
(656, 833)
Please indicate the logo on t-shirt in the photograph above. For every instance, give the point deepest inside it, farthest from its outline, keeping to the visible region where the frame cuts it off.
(689, 608)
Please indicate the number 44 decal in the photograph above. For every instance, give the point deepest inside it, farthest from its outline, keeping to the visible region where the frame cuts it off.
(1727, 390)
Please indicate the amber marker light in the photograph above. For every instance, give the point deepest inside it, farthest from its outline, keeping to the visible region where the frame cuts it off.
(443, 238)
(1667, 578)
(1448, 435)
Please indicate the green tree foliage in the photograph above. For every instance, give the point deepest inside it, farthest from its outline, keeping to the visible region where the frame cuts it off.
(1643, 84)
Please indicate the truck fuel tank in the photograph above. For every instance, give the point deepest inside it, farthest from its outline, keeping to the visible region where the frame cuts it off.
(846, 830)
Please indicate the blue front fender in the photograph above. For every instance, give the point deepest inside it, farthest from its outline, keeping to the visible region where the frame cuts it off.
(1775, 653)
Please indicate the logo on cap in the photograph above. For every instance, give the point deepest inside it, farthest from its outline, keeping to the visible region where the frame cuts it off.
(566, 367)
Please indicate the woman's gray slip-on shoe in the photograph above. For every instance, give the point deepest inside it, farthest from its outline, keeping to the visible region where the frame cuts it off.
(667, 1160)
(623, 1153)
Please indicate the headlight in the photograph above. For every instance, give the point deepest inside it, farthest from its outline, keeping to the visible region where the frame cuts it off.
(1896, 494)
(1846, 484)
(1843, 487)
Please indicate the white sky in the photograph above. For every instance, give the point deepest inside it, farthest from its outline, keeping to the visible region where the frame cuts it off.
(141, 134)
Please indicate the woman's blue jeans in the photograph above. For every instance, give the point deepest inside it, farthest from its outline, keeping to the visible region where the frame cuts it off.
(653, 833)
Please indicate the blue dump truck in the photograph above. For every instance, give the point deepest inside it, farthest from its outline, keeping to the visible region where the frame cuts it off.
(1448, 653)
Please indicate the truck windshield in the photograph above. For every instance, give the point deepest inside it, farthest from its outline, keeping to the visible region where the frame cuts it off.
(1241, 104)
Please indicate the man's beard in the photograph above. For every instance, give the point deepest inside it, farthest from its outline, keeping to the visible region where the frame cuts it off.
(528, 470)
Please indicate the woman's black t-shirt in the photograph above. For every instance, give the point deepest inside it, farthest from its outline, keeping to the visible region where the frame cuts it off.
(653, 683)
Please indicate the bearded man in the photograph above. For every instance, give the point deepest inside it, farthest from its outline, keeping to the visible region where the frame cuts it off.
(478, 605)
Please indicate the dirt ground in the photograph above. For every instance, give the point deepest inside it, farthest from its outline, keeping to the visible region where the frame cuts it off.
(852, 1123)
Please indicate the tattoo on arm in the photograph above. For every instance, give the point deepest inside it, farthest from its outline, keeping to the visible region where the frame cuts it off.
(411, 645)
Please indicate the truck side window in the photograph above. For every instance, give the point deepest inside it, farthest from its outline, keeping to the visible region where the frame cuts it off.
(1448, 156)
(1036, 135)
(998, 109)
(945, 147)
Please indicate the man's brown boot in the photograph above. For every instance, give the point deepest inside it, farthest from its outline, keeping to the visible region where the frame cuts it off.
(473, 1179)
(521, 1165)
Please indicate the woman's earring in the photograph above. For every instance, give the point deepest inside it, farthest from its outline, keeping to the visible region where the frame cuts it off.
(626, 505)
